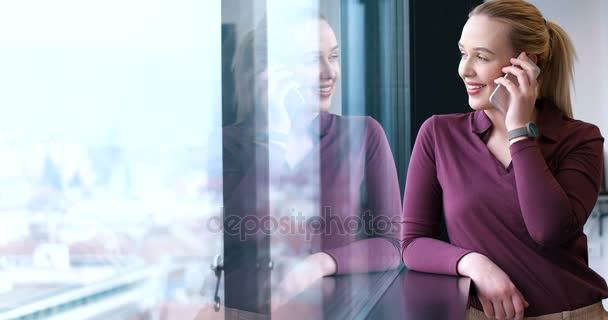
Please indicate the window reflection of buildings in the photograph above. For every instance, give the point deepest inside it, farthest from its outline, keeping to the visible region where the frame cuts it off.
(107, 202)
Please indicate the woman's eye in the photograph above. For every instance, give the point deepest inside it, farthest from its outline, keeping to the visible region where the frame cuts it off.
(334, 57)
(482, 58)
(314, 59)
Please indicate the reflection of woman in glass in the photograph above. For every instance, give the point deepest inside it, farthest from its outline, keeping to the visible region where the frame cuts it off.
(514, 203)
(342, 165)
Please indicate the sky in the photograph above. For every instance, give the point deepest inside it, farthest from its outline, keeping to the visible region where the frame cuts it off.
(145, 73)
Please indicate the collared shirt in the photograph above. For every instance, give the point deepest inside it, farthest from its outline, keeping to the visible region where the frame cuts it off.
(527, 218)
(346, 187)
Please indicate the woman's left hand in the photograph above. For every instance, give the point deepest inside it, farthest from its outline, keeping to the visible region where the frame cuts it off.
(523, 97)
(300, 277)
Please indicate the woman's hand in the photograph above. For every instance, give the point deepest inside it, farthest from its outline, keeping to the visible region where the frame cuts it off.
(498, 295)
(278, 92)
(300, 277)
(523, 97)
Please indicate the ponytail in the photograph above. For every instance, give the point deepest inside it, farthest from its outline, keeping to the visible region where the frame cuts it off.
(558, 69)
(531, 33)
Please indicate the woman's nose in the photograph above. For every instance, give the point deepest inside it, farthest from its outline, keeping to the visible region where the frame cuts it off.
(326, 70)
(465, 68)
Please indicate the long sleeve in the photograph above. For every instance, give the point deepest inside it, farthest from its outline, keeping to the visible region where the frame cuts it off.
(379, 250)
(527, 218)
(556, 205)
(422, 212)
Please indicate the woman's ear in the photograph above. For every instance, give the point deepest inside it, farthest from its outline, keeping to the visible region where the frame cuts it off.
(534, 58)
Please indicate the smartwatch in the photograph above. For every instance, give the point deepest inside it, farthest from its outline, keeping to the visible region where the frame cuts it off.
(530, 131)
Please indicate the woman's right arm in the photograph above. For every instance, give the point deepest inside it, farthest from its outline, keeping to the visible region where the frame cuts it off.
(423, 251)
(422, 211)
(496, 292)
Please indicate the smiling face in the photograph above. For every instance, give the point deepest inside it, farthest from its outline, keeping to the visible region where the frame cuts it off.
(318, 62)
(329, 65)
(485, 48)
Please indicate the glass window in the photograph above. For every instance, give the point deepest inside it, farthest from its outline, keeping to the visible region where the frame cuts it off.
(310, 183)
(200, 159)
(110, 112)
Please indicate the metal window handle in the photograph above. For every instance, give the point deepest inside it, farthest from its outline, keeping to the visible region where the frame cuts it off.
(217, 267)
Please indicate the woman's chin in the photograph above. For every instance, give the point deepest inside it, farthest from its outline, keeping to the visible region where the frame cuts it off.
(478, 105)
(324, 105)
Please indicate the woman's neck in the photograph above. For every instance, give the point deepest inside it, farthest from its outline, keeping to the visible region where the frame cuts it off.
(498, 121)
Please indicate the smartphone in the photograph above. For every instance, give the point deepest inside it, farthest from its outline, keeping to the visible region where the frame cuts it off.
(500, 96)
(294, 99)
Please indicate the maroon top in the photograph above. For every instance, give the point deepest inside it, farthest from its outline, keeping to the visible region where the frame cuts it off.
(352, 172)
(359, 180)
(527, 218)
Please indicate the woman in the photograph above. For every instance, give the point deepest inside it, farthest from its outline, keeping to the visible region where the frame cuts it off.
(287, 151)
(514, 204)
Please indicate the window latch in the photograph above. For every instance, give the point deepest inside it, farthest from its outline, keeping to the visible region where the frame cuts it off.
(217, 267)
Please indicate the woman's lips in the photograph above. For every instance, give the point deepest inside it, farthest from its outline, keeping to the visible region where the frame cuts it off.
(325, 91)
(474, 88)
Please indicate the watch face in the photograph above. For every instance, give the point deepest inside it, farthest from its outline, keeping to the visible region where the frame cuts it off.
(532, 130)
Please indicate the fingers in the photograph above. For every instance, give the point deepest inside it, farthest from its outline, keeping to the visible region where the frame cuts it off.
(509, 308)
(514, 90)
(525, 70)
(498, 295)
(278, 79)
(522, 76)
(508, 84)
(280, 92)
(524, 62)
(499, 311)
(519, 306)
(512, 307)
(273, 76)
(488, 309)
(280, 82)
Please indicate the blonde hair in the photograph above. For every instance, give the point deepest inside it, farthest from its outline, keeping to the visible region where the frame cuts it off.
(531, 33)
